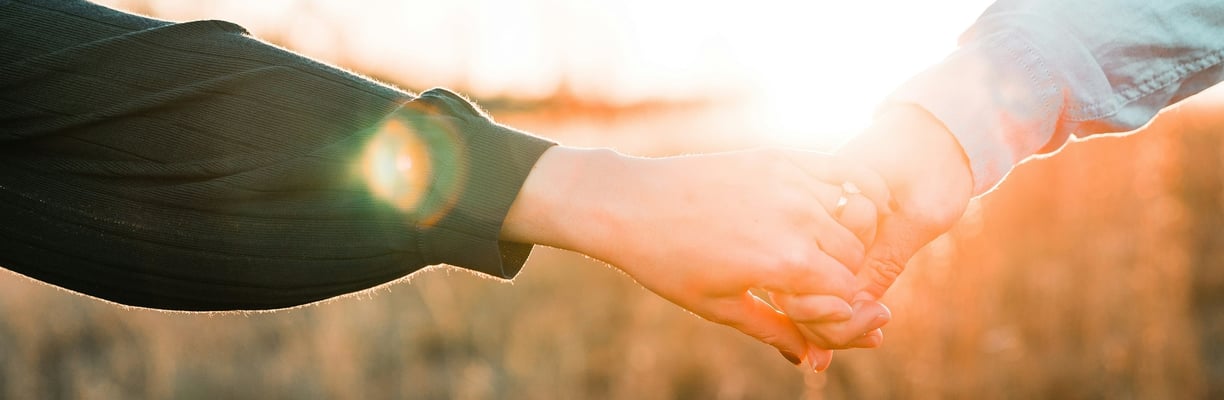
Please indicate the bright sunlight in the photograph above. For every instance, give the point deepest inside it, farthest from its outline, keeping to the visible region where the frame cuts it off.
(802, 73)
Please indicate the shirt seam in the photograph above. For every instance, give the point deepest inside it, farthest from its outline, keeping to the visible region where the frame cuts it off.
(1146, 87)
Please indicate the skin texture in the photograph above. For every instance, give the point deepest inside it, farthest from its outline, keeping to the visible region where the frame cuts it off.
(930, 182)
(702, 230)
(928, 173)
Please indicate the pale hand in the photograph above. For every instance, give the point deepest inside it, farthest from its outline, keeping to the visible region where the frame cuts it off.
(702, 230)
(930, 182)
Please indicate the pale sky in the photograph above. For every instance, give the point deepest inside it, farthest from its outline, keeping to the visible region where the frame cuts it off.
(792, 60)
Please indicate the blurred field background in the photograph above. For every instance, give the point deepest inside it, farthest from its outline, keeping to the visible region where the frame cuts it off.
(1098, 273)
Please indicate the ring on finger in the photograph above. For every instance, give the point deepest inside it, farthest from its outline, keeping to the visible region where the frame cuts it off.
(847, 189)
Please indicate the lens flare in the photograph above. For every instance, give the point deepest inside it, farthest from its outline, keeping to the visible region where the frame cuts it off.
(411, 167)
(397, 166)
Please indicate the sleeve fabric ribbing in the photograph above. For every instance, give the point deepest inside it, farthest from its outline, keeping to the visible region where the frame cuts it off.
(1031, 73)
(190, 166)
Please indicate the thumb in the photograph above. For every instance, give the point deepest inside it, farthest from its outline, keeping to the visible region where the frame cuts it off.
(819, 358)
(897, 240)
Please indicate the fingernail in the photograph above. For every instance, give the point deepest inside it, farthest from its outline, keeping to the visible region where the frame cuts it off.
(879, 321)
(794, 359)
(813, 361)
(873, 340)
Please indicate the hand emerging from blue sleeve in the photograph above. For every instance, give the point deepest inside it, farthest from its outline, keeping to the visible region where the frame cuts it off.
(929, 180)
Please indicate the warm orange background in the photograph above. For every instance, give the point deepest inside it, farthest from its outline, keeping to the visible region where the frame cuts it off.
(1094, 274)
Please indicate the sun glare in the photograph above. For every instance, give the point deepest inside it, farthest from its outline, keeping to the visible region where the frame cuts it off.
(820, 69)
(807, 73)
(400, 167)
(396, 166)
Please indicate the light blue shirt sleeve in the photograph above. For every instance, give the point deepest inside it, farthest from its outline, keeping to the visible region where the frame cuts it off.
(1030, 73)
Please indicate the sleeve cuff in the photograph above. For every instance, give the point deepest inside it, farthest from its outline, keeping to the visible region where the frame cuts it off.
(476, 170)
(997, 97)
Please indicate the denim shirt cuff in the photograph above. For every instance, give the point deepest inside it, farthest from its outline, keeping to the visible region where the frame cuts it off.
(997, 96)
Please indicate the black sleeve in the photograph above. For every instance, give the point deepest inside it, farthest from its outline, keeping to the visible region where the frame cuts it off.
(189, 166)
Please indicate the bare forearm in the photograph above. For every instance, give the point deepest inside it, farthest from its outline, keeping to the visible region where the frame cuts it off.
(565, 200)
(702, 230)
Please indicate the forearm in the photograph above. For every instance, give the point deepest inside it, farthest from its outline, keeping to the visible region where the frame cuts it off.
(1031, 73)
(566, 200)
(608, 205)
(702, 230)
(225, 173)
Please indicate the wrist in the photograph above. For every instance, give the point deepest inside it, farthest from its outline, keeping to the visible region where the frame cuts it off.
(565, 200)
(912, 150)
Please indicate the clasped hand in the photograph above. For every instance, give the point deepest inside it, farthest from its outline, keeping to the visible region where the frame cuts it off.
(706, 231)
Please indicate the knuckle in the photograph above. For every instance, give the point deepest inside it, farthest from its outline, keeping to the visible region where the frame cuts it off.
(796, 262)
(886, 272)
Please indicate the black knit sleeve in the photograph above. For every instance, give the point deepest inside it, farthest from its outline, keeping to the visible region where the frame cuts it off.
(189, 166)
